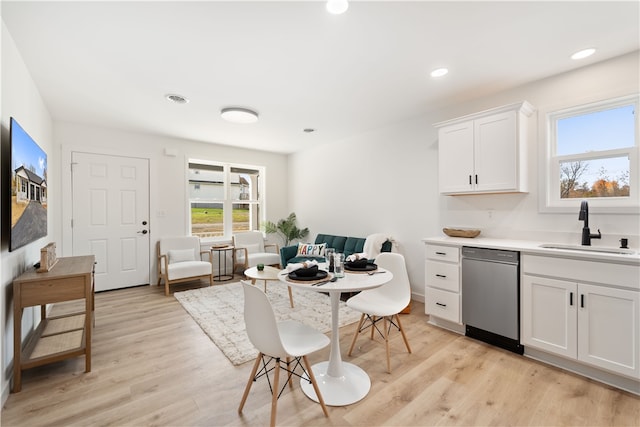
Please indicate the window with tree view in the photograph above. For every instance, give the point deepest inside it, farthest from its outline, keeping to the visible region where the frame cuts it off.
(223, 198)
(594, 152)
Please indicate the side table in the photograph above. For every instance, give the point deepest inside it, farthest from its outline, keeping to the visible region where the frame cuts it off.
(55, 338)
(222, 262)
(269, 273)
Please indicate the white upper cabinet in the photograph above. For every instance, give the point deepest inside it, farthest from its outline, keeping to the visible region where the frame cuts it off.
(484, 152)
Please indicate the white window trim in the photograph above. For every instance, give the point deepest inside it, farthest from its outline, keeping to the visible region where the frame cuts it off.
(227, 202)
(549, 200)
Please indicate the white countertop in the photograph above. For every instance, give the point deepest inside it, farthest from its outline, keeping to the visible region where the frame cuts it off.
(534, 247)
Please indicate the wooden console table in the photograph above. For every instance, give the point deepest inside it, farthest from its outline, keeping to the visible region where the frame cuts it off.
(60, 337)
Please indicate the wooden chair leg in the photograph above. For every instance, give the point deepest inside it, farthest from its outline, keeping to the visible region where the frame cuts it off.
(274, 397)
(373, 322)
(355, 336)
(166, 287)
(404, 336)
(250, 382)
(386, 342)
(290, 296)
(315, 385)
(289, 369)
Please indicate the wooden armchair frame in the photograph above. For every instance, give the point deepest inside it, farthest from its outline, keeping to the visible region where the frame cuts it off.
(245, 253)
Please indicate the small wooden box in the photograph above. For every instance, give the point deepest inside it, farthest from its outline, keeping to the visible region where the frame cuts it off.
(47, 258)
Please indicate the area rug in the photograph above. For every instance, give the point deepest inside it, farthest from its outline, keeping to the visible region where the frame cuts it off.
(219, 310)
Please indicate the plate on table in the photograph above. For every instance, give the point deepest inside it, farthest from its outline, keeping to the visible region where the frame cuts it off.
(368, 267)
(321, 274)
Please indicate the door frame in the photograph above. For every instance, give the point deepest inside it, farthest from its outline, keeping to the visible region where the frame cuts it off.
(66, 194)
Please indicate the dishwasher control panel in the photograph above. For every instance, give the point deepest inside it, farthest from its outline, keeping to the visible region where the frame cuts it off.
(496, 255)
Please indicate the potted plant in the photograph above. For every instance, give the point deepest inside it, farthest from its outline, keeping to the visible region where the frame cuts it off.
(287, 229)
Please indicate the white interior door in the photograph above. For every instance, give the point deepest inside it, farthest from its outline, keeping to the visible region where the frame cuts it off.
(110, 217)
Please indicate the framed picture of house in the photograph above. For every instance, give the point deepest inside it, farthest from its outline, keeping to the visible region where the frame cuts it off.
(28, 188)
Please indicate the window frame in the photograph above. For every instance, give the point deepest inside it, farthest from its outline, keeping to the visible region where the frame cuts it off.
(550, 200)
(227, 201)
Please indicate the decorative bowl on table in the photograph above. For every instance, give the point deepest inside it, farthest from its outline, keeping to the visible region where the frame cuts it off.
(360, 263)
(358, 266)
(307, 272)
(298, 274)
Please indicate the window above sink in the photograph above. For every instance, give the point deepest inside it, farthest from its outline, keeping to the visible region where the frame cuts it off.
(592, 154)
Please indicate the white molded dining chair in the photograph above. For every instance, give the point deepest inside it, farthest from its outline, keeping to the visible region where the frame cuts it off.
(250, 250)
(384, 303)
(278, 342)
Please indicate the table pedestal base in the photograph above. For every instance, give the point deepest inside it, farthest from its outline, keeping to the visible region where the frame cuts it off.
(338, 391)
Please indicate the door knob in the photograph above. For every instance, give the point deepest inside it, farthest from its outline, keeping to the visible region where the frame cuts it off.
(143, 232)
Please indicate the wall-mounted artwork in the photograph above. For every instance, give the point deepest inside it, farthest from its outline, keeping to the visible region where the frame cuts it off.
(28, 188)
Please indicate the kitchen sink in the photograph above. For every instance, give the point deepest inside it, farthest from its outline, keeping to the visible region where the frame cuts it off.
(619, 251)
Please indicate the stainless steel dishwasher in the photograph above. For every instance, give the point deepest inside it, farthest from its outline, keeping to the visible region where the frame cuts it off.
(491, 296)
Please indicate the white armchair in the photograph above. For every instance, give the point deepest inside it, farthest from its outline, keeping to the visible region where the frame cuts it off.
(180, 260)
(250, 251)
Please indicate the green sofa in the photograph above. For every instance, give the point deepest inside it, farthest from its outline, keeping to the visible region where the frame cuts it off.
(342, 244)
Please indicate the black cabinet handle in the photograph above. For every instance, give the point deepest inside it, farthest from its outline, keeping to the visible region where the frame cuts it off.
(469, 179)
(581, 300)
(570, 298)
(441, 304)
(442, 276)
(441, 253)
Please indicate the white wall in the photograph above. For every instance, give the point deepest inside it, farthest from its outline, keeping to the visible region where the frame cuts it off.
(21, 100)
(386, 181)
(168, 185)
(381, 182)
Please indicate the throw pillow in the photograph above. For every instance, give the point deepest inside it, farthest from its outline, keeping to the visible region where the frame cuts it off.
(307, 249)
(181, 255)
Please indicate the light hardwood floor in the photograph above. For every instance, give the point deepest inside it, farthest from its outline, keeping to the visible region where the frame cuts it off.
(152, 365)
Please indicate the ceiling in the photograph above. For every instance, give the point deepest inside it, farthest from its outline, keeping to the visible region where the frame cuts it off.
(112, 63)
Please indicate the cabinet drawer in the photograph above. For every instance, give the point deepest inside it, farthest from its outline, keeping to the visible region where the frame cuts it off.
(52, 290)
(442, 275)
(443, 253)
(442, 304)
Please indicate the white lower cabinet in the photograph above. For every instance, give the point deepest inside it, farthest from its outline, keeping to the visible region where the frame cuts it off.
(608, 322)
(597, 325)
(442, 283)
(549, 320)
(442, 304)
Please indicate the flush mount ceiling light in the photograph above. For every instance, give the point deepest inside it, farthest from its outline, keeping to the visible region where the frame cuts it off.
(583, 53)
(178, 99)
(439, 72)
(239, 115)
(337, 7)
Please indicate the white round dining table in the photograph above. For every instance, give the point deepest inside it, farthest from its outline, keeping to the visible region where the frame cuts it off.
(341, 383)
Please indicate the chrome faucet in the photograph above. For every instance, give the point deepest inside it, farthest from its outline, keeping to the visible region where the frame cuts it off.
(586, 233)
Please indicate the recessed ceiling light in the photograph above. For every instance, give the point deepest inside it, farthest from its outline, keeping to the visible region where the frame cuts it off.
(308, 130)
(178, 99)
(337, 7)
(439, 72)
(239, 115)
(583, 53)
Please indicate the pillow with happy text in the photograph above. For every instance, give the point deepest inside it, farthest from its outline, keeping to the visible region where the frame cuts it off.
(310, 250)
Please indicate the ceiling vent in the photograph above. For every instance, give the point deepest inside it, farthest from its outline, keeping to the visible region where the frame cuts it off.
(178, 99)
